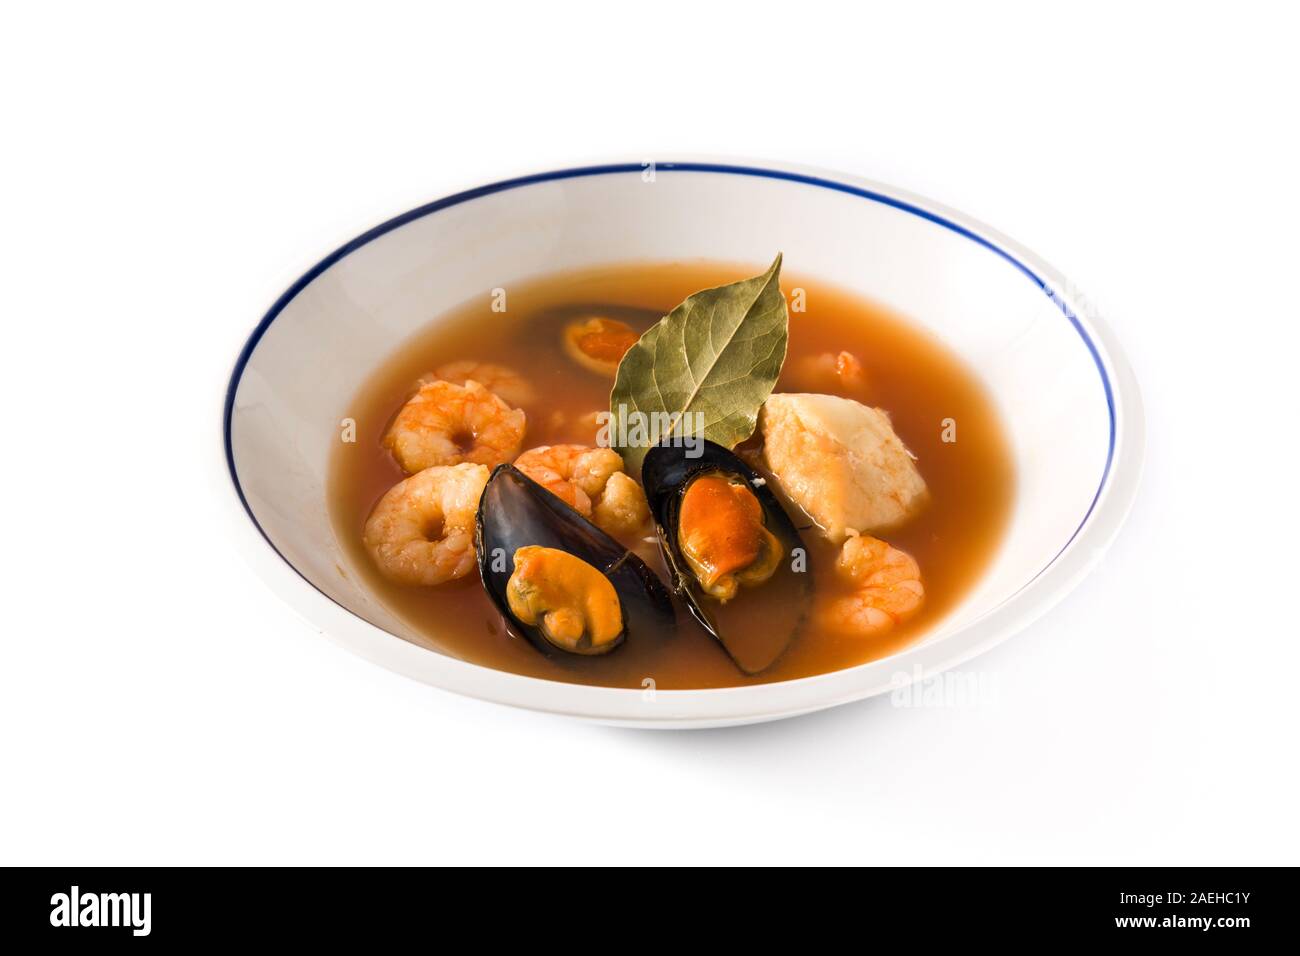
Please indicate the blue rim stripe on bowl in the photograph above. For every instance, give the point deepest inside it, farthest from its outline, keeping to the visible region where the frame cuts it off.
(720, 168)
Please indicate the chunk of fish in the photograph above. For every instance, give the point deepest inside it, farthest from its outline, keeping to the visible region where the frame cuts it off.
(841, 462)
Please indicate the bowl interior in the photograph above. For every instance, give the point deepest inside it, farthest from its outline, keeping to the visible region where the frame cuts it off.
(312, 353)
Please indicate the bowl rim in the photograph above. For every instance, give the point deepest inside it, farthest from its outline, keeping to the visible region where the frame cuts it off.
(1110, 505)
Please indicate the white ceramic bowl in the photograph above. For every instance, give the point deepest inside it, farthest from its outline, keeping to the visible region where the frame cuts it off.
(1067, 396)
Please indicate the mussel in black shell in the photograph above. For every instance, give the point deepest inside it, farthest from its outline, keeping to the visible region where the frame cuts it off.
(736, 557)
(561, 582)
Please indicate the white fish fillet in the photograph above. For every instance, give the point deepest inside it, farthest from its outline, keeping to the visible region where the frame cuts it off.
(840, 461)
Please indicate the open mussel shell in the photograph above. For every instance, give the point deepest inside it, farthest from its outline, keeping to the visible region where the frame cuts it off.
(516, 512)
(757, 625)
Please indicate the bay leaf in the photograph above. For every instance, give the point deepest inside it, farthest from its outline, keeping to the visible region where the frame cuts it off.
(717, 355)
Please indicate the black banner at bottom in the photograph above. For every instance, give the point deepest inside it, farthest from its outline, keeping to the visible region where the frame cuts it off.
(133, 907)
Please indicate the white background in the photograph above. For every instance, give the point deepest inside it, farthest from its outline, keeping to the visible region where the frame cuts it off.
(167, 172)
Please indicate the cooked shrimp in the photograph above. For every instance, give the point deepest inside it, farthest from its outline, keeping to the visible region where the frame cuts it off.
(446, 424)
(591, 481)
(622, 508)
(841, 373)
(422, 530)
(585, 428)
(502, 381)
(886, 586)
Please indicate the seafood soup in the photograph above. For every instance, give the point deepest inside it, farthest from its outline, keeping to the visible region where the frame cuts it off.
(671, 475)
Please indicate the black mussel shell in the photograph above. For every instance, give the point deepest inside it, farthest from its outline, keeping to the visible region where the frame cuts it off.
(516, 511)
(760, 622)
